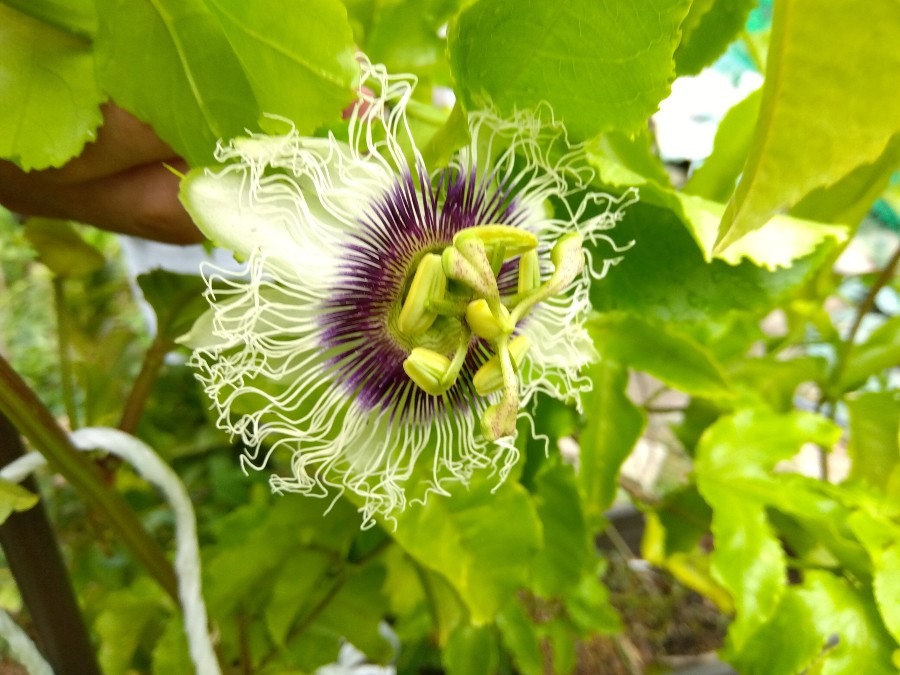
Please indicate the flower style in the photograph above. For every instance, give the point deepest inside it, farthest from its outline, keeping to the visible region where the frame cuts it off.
(389, 324)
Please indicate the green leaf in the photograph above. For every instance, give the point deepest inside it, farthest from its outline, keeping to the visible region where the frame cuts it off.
(878, 353)
(874, 445)
(718, 175)
(662, 351)
(168, 63)
(887, 588)
(126, 616)
(777, 243)
(685, 288)
(78, 17)
(816, 80)
(733, 469)
(300, 64)
(404, 34)
(567, 548)
(51, 101)
(600, 66)
(176, 299)
(60, 247)
(589, 608)
(808, 618)
(707, 31)
(614, 425)
(520, 638)
(471, 651)
(482, 541)
(13, 497)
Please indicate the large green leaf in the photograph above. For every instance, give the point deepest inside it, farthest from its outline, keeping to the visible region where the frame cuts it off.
(566, 551)
(78, 17)
(808, 620)
(51, 101)
(472, 650)
(874, 443)
(168, 62)
(665, 277)
(614, 425)
(707, 30)
(481, 540)
(61, 248)
(660, 350)
(733, 466)
(831, 103)
(300, 63)
(600, 65)
(176, 299)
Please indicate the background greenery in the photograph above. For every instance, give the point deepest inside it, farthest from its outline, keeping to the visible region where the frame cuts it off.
(730, 298)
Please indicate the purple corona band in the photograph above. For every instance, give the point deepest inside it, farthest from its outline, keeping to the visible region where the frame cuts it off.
(406, 222)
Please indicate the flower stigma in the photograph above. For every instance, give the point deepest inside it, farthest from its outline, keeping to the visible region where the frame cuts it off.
(391, 324)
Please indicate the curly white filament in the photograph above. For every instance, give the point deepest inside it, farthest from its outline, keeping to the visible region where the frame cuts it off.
(187, 556)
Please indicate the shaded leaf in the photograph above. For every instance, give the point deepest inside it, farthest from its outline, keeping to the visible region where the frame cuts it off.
(817, 78)
(878, 353)
(520, 638)
(78, 17)
(600, 66)
(613, 426)
(566, 551)
(472, 650)
(61, 248)
(176, 299)
(51, 99)
(662, 351)
(707, 31)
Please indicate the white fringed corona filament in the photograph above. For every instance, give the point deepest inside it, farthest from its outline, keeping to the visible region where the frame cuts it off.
(303, 351)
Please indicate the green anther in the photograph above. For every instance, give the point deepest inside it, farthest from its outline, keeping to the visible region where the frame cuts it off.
(428, 285)
(428, 369)
(459, 268)
(514, 240)
(529, 272)
(567, 256)
(489, 377)
(568, 260)
(484, 324)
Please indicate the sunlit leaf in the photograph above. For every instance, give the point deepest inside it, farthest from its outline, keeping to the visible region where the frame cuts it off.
(733, 464)
(300, 64)
(168, 63)
(824, 624)
(481, 540)
(14, 497)
(874, 425)
(51, 101)
(828, 63)
(126, 614)
(707, 30)
(600, 66)
(612, 428)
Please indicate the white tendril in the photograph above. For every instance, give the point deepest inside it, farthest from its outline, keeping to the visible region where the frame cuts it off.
(187, 555)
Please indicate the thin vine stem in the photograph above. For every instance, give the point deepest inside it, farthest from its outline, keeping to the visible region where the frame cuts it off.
(143, 383)
(63, 346)
(34, 421)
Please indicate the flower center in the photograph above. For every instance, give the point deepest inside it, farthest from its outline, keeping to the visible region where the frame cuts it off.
(454, 296)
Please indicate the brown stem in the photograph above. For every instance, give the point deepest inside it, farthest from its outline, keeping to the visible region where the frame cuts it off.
(34, 558)
(143, 384)
(34, 421)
